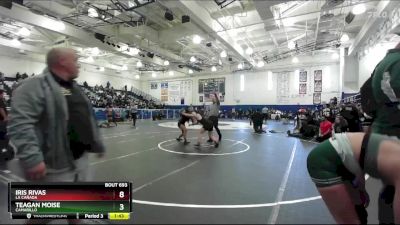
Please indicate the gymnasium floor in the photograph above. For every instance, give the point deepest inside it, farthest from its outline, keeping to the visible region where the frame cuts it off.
(250, 178)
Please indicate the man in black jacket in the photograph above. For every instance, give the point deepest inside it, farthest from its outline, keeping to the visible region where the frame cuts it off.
(257, 119)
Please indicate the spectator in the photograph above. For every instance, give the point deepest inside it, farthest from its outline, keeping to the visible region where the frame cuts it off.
(325, 130)
(52, 123)
(257, 119)
(18, 76)
(351, 114)
(2, 77)
(340, 125)
(327, 112)
(3, 108)
(265, 113)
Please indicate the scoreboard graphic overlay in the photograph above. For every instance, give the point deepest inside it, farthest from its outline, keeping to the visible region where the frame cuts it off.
(85, 200)
(210, 86)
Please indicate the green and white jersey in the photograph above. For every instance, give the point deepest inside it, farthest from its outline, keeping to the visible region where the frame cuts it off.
(386, 89)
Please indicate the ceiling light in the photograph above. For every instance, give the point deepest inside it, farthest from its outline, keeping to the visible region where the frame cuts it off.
(220, 62)
(192, 59)
(124, 48)
(92, 13)
(240, 66)
(153, 74)
(249, 51)
(190, 71)
(139, 64)
(95, 51)
(131, 4)
(213, 69)
(239, 49)
(134, 51)
(295, 60)
(358, 9)
(288, 22)
(54, 25)
(59, 25)
(260, 64)
(344, 38)
(90, 59)
(335, 56)
(124, 67)
(196, 39)
(223, 54)
(15, 42)
(171, 73)
(137, 77)
(24, 32)
(166, 63)
(101, 69)
(291, 45)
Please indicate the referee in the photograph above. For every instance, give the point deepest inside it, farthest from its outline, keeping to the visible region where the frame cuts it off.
(214, 114)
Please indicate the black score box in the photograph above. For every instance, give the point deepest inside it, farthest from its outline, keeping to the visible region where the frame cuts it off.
(41, 216)
(81, 216)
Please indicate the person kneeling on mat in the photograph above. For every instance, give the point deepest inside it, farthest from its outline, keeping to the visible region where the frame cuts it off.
(207, 126)
(347, 157)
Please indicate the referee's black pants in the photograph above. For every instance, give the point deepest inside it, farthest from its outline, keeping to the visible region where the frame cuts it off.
(214, 120)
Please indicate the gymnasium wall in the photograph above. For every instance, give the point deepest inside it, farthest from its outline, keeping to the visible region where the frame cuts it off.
(368, 62)
(256, 91)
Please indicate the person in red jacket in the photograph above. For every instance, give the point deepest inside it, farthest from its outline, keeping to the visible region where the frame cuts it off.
(325, 130)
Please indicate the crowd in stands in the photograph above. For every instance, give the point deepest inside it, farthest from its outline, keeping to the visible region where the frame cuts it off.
(9, 84)
(102, 97)
(334, 117)
(316, 124)
(313, 124)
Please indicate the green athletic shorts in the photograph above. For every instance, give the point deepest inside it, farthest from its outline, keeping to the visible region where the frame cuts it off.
(371, 156)
(325, 166)
(328, 165)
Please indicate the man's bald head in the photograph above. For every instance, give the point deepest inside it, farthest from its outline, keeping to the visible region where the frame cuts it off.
(63, 62)
(56, 54)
